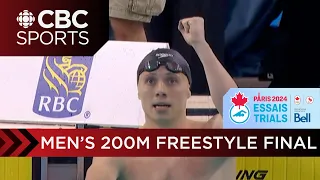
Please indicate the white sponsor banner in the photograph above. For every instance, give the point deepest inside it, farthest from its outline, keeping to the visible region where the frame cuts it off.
(33, 126)
(98, 90)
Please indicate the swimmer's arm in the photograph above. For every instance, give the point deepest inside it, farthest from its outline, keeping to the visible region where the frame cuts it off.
(103, 168)
(219, 80)
(215, 122)
(225, 168)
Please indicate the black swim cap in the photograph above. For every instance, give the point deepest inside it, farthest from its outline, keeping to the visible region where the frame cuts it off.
(169, 58)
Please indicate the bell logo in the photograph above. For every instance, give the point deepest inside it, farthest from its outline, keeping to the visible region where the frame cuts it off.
(303, 118)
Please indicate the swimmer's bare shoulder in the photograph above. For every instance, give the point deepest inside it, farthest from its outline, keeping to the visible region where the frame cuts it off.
(214, 122)
(104, 168)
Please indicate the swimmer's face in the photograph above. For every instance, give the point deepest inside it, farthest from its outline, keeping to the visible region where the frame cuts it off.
(163, 94)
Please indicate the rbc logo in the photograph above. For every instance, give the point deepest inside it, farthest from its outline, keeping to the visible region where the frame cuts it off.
(62, 86)
(302, 118)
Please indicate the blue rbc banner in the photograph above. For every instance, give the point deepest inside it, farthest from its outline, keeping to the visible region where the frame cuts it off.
(62, 86)
(269, 108)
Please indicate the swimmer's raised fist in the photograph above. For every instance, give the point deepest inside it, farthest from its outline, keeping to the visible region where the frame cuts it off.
(192, 30)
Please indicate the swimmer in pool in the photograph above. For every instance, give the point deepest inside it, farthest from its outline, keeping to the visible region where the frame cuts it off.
(164, 80)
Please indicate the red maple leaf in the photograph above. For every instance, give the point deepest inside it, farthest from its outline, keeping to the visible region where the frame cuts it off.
(239, 100)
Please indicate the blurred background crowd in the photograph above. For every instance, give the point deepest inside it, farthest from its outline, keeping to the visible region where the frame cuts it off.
(256, 40)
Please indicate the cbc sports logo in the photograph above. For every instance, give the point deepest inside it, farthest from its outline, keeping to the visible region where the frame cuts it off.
(62, 86)
(239, 112)
(63, 20)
